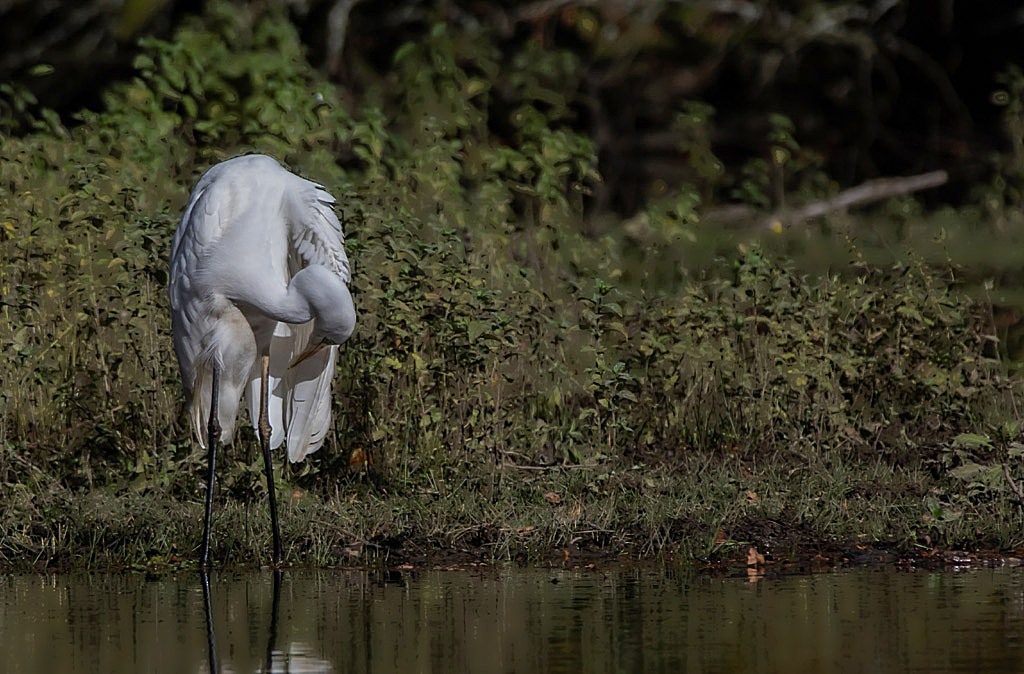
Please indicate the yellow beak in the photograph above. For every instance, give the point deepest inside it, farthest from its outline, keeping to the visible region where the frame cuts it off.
(311, 349)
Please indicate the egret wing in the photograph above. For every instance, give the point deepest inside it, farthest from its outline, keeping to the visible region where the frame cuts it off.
(195, 314)
(316, 233)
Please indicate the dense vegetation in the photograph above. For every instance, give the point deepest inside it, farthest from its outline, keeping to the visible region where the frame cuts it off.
(524, 378)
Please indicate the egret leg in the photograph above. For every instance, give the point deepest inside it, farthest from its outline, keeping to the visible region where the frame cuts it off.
(213, 439)
(265, 431)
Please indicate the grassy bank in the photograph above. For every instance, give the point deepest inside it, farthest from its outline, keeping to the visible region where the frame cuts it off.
(523, 381)
(695, 508)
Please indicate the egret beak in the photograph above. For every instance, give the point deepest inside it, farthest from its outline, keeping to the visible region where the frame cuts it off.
(311, 350)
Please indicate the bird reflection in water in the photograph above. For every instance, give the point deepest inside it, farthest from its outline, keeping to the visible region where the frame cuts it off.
(211, 639)
(293, 660)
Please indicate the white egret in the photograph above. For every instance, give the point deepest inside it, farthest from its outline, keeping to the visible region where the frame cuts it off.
(259, 301)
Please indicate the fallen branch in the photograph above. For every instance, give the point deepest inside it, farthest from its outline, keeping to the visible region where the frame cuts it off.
(866, 193)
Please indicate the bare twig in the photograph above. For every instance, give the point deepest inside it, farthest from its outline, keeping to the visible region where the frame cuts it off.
(1015, 487)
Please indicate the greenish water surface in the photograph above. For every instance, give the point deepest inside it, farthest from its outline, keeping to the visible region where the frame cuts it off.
(622, 620)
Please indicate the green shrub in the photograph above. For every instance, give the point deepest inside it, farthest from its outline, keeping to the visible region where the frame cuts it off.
(495, 328)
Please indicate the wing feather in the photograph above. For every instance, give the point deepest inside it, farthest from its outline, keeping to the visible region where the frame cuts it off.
(280, 354)
(316, 233)
(299, 404)
(191, 316)
(310, 404)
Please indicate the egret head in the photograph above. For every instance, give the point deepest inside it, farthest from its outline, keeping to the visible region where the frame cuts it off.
(334, 314)
(331, 307)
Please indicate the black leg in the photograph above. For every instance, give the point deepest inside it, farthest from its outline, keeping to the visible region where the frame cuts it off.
(212, 440)
(265, 431)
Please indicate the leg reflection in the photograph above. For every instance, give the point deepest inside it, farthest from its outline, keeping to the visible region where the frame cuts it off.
(272, 637)
(268, 665)
(204, 579)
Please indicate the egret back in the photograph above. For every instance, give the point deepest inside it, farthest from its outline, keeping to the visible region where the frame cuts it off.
(249, 227)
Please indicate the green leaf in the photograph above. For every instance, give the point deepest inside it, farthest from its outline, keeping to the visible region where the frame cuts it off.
(969, 472)
(476, 328)
(403, 52)
(40, 70)
(972, 441)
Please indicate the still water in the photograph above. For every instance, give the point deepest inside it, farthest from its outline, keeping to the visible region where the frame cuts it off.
(514, 621)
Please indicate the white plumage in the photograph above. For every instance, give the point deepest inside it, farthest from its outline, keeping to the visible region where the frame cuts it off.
(259, 270)
(249, 227)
